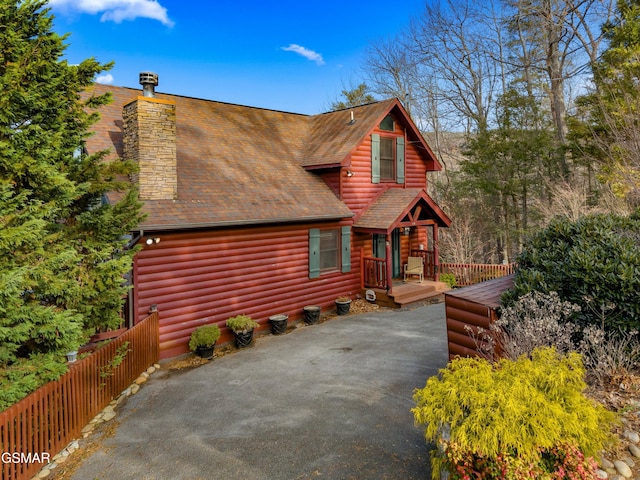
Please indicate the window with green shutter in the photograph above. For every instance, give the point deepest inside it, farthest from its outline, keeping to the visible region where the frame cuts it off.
(329, 250)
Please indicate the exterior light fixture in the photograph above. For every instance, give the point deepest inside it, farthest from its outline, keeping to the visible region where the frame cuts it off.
(350, 173)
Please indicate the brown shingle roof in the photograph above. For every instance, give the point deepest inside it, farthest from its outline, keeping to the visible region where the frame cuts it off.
(332, 137)
(240, 165)
(393, 205)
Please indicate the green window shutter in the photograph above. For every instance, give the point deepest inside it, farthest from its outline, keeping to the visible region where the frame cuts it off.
(346, 249)
(400, 159)
(375, 158)
(314, 253)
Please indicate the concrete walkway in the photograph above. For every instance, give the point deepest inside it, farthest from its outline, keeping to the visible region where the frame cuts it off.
(327, 401)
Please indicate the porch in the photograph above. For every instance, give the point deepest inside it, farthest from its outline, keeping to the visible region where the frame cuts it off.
(395, 293)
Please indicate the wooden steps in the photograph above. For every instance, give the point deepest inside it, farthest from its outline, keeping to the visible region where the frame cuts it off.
(406, 293)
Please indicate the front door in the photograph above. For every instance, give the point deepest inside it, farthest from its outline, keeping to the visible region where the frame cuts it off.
(395, 252)
(379, 246)
(380, 250)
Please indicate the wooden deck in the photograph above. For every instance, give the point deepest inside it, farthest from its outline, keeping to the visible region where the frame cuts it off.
(406, 293)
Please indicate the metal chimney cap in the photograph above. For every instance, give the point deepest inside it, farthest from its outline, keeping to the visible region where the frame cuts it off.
(149, 81)
(148, 78)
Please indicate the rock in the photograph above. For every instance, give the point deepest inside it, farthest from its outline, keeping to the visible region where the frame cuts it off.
(623, 469)
(157, 366)
(108, 415)
(141, 379)
(606, 463)
(73, 446)
(108, 409)
(601, 474)
(632, 436)
(134, 389)
(44, 473)
(629, 461)
(150, 370)
(87, 428)
(635, 450)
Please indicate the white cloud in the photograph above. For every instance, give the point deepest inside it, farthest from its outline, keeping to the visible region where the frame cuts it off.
(305, 52)
(105, 79)
(118, 10)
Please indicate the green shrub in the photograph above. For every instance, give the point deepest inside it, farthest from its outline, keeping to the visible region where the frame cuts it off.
(449, 279)
(204, 336)
(518, 409)
(241, 323)
(28, 374)
(593, 262)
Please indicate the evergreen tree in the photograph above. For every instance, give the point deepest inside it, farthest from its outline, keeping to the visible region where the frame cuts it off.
(353, 98)
(606, 130)
(63, 254)
(507, 166)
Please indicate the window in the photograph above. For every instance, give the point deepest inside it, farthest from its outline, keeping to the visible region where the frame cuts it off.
(329, 250)
(387, 158)
(387, 124)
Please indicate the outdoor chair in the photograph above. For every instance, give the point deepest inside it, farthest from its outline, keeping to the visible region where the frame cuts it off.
(414, 266)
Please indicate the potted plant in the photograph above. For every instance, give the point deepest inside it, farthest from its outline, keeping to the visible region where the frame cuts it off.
(242, 327)
(203, 340)
(343, 305)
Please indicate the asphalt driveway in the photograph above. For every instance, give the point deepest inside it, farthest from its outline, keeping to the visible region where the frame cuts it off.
(329, 401)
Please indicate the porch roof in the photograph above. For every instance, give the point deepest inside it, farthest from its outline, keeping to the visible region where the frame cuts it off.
(401, 207)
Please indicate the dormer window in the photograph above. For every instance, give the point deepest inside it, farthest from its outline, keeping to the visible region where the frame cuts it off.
(387, 124)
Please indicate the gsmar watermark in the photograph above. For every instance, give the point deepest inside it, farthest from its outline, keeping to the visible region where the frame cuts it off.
(22, 457)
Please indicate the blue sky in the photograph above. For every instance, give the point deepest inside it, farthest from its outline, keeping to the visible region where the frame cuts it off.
(283, 55)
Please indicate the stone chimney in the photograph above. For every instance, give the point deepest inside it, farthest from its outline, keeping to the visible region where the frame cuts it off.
(149, 138)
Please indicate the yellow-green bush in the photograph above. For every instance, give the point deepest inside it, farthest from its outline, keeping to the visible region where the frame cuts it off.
(519, 408)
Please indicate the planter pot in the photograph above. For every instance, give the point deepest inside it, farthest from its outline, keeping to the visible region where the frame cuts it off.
(311, 314)
(72, 356)
(278, 324)
(343, 307)
(243, 339)
(205, 352)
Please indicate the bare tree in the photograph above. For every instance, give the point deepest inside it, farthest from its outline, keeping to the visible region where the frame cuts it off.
(559, 39)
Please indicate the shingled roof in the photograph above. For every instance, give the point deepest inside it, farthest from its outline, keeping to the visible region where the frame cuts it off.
(242, 165)
(386, 211)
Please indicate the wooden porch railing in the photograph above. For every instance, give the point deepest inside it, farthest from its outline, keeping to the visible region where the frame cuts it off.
(430, 266)
(374, 273)
(470, 274)
(374, 270)
(44, 422)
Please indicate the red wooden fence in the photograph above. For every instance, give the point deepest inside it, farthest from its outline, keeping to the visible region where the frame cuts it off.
(42, 424)
(470, 274)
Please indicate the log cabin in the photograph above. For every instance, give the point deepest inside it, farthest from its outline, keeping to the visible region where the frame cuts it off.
(262, 212)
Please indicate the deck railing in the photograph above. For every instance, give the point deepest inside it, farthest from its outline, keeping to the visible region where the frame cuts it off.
(430, 266)
(43, 423)
(374, 272)
(470, 274)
